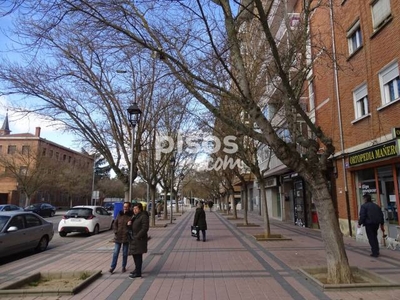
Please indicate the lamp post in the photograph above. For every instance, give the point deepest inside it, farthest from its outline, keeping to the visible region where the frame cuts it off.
(171, 163)
(181, 177)
(134, 113)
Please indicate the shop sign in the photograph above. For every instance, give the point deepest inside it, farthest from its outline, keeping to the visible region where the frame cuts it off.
(396, 133)
(371, 154)
(289, 177)
(271, 182)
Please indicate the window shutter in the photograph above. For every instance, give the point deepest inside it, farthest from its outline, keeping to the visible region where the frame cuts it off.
(390, 73)
(380, 11)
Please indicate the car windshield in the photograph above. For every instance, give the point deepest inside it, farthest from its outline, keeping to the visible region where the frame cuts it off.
(79, 212)
(3, 221)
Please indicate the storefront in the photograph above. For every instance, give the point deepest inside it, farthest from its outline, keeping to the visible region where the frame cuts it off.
(297, 204)
(375, 171)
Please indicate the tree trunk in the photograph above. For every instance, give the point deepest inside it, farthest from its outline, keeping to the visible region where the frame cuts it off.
(337, 263)
(27, 199)
(264, 206)
(153, 205)
(165, 205)
(245, 204)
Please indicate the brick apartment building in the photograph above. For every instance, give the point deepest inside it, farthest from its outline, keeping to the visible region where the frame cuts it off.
(13, 147)
(359, 105)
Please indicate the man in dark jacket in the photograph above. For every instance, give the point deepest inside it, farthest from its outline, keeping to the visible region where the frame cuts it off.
(200, 221)
(371, 217)
(138, 242)
(120, 228)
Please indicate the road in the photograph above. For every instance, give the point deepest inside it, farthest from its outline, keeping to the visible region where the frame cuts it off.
(56, 242)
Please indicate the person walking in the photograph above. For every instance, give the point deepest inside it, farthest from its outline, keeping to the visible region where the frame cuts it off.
(159, 208)
(371, 217)
(121, 236)
(138, 242)
(200, 221)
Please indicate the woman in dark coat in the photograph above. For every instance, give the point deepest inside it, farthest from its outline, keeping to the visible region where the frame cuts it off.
(200, 221)
(138, 241)
(120, 228)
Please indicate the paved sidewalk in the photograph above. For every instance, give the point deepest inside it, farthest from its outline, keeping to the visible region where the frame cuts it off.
(230, 265)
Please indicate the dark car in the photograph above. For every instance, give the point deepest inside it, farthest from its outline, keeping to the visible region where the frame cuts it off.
(109, 206)
(9, 207)
(21, 231)
(42, 209)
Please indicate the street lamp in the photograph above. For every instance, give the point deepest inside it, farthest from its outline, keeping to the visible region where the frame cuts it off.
(134, 114)
(181, 177)
(171, 164)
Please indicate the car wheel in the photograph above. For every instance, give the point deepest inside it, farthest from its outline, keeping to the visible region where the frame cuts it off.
(96, 229)
(52, 213)
(62, 234)
(43, 243)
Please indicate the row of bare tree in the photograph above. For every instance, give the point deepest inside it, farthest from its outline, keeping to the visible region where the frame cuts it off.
(186, 64)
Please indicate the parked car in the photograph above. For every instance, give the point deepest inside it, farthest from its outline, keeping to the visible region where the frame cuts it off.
(21, 231)
(109, 206)
(9, 207)
(85, 219)
(42, 209)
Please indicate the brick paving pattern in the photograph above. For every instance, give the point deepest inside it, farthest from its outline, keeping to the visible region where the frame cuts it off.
(230, 265)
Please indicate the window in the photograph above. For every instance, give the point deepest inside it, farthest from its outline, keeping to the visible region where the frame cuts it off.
(32, 221)
(354, 38)
(51, 153)
(1, 149)
(360, 96)
(380, 12)
(17, 221)
(11, 149)
(64, 157)
(390, 83)
(57, 156)
(23, 170)
(25, 150)
(44, 150)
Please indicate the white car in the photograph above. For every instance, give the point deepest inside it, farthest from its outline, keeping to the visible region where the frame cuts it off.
(85, 219)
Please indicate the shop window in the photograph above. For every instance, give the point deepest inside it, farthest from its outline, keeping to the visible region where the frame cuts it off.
(365, 182)
(387, 194)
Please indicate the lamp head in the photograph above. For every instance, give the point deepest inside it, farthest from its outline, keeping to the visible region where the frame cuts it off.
(134, 114)
(172, 161)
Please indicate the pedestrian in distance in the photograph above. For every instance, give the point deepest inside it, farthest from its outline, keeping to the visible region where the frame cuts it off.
(121, 236)
(160, 208)
(371, 217)
(200, 221)
(139, 226)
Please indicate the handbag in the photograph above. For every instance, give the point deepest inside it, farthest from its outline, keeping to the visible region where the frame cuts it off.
(359, 231)
(193, 230)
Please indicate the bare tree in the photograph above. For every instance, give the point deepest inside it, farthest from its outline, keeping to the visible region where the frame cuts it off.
(29, 169)
(203, 48)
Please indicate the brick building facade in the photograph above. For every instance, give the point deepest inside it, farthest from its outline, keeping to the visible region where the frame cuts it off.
(359, 104)
(25, 151)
